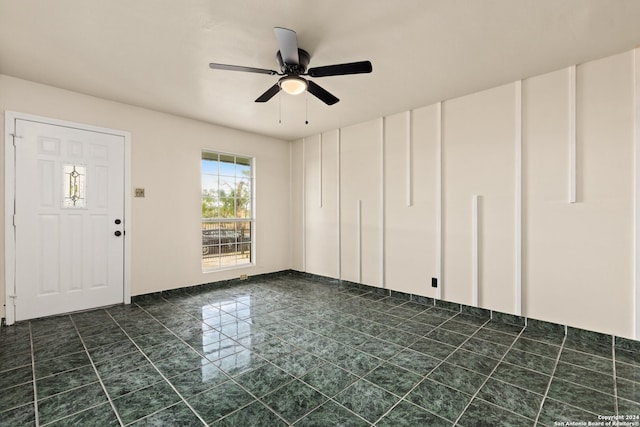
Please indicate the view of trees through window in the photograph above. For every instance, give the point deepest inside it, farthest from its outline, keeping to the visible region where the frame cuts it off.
(227, 220)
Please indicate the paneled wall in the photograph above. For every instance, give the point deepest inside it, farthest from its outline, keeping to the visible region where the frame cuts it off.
(411, 200)
(519, 199)
(322, 223)
(579, 257)
(478, 176)
(361, 199)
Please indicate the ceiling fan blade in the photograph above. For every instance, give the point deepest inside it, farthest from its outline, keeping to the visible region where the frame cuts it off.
(241, 68)
(321, 94)
(341, 69)
(270, 93)
(288, 43)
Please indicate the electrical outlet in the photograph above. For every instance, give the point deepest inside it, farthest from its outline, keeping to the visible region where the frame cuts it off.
(434, 282)
(139, 192)
(243, 277)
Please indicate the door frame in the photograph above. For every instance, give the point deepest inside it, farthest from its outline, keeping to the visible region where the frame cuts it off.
(10, 118)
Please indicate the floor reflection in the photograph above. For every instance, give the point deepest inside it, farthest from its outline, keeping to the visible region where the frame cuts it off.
(231, 320)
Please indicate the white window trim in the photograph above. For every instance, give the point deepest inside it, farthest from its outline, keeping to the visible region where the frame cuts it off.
(252, 214)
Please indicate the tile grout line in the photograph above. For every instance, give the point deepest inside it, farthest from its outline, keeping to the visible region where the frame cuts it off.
(371, 336)
(403, 320)
(574, 350)
(432, 370)
(229, 377)
(546, 393)
(549, 375)
(294, 378)
(186, 309)
(158, 370)
(500, 380)
(526, 320)
(519, 335)
(546, 357)
(330, 398)
(70, 389)
(523, 327)
(33, 373)
(259, 399)
(237, 410)
(96, 370)
(582, 386)
(440, 326)
(488, 377)
(133, 423)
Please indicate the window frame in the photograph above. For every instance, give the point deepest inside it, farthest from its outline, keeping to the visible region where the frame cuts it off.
(222, 220)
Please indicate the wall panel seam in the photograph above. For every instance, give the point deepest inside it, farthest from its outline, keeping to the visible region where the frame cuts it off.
(572, 135)
(304, 206)
(636, 242)
(518, 190)
(320, 171)
(291, 212)
(339, 202)
(383, 220)
(359, 238)
(409, 143)
(439, 199)
(475, 281)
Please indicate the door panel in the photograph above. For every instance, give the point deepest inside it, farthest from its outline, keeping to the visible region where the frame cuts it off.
(69, 192)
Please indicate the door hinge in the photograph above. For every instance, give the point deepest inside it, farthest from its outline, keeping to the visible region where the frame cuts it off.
(15, 137)
(14, 220)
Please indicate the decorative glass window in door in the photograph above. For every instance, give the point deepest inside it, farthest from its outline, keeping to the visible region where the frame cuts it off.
(73, 186)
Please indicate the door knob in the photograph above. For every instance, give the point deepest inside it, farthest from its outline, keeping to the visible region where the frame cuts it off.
(117, 221)
(118, 233)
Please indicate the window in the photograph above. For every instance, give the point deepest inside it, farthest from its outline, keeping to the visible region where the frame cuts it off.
(227, 218)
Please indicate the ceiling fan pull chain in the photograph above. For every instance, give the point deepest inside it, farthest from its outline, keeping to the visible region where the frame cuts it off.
(306, 110)
(279, 108)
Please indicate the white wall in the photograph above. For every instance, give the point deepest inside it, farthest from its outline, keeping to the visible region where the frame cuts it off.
(322, 224)
(411, 205)
(296, 208)
(569, 263)
(478, 158)
(165, 160)
(361, 203)
(579, 257)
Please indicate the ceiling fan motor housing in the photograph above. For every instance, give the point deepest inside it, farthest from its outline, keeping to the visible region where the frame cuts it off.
(294, 69)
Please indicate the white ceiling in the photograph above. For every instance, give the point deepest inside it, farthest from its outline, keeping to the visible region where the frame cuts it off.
(155, 53)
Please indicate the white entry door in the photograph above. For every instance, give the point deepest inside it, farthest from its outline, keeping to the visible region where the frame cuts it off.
(69, 219)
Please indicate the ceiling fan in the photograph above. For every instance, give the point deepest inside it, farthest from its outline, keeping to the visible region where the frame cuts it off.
(293, 63)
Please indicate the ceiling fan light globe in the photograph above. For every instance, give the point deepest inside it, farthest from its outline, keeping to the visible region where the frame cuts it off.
(293, 85)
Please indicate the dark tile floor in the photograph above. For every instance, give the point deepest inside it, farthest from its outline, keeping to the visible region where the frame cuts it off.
(292, 351)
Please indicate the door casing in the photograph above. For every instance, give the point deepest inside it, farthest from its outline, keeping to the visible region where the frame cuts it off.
(10, 193)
